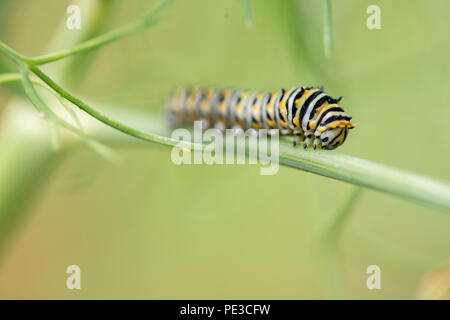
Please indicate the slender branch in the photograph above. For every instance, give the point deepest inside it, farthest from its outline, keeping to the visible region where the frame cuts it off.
(26, 158)
(10, 77)
(365, 173)
(150, 137)
(31, 92)
(330, 164)
(26, 163)
(327, 29)
(408, 185)
(97, 42)
(40, 105)
(330, 235)
(333, 225)
(11, 53)
(17, 77)
(99, 14)
(52, 118)
(327, 163)
(247, 13)
(20, 60)
(142, 23)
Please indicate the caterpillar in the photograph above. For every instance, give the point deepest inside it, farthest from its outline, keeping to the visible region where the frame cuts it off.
(308, 113)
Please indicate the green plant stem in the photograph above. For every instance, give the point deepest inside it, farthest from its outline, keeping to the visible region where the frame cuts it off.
(40, 105)
(329, 234)
(326, 163)
(408, 185)
(26, 162)
(150, 137)
(10, 77)
(360, 172)
(332, 227)
(17, 77)
(11, 53)
(365, 173)
(327, 28)
(89, 45)
(97, 42)
(247, 13)
(99, 16)
(53, 119)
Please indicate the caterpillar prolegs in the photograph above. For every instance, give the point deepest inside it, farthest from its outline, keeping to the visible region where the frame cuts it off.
(309, 114)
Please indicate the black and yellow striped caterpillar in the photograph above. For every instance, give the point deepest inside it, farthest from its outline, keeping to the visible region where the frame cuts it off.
(315, 118)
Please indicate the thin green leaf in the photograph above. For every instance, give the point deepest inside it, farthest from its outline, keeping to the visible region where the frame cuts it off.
(327, 29)
(247, 13)
(372, 175)
(329, 234)
(150, 137)
(52, 117)
(145, 21)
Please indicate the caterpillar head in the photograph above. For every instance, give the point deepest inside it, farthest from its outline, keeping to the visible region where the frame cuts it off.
(334, 134)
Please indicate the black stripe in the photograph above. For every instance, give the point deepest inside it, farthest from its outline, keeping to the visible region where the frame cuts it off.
(293, 91)
(188, 93)
(294, 107)
(238, 101)
(278, 105)
(334, 118)
(319, 103)
(263, 105)
(333, 100)
(345, 135)
(201, 96)
(231, 106)
(267, 111)
(326, 111)
(222, 96)
(214, 103)
(340, 132)
(343, 140)
(306, 104)
(251, 109)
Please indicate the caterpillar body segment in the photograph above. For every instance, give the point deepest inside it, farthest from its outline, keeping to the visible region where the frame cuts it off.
(309, 114)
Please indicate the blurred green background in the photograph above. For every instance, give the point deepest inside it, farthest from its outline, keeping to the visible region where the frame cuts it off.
(146, 228)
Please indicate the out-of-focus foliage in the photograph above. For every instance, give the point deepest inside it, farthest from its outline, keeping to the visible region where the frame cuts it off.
(149, 229)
